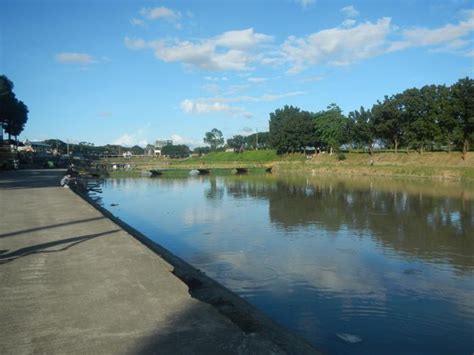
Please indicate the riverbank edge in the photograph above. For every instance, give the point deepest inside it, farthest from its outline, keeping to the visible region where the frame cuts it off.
(202, 287)
(284, 169)
(429, 165)
(383, 171)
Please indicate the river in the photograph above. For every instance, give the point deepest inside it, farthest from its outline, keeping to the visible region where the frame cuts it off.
(353, 265)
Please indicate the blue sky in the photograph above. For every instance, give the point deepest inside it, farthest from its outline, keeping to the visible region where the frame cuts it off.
(131, 72)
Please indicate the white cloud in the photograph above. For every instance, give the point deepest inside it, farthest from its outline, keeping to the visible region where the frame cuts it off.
(244, 39)
(469, 53)
(212, 88)
(350, 42)
(446, 38)
(305, 3)
(221, 104)
(350, 11)
(137, 22)
(348, 22)
(137, 43)
(311, 79)
(178, 139)
(201, 107)
(261, 98)
(256, 79)
(157, 13)
(160, 13)
(337, 46)
(75, 58)
(229, 51)
(131, 139)
(216, 78)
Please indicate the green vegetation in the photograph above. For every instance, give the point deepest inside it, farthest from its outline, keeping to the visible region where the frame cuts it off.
(13, 112)
(257, 156)
(176, 151)
(434, 117)
(429, 165)
(214, 138)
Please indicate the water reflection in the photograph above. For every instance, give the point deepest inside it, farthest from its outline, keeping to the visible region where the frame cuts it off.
(420, 224)
(389, 261)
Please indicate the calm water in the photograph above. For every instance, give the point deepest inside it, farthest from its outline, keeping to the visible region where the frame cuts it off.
(389, 262)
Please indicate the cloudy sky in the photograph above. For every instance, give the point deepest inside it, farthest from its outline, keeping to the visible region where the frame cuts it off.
(131, 72)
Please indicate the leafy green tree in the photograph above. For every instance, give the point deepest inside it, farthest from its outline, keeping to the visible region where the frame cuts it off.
(17, 117)
(237, 142)
(388, 121)
(362, 129)
(13, 112)
(137, 150)
(262, 139)
(462, 95)
(202, 150)
(291, 130)
(7, 101)
(176, 151)
(449, 130)
(331, 127)
(426, 126)
(214, 138)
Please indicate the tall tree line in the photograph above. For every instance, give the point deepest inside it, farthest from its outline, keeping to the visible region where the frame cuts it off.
(13, 112)
(421, 119)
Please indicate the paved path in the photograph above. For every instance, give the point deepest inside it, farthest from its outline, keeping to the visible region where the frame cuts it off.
(73, 281)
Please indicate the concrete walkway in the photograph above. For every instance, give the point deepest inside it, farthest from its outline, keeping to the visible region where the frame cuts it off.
(73, 281)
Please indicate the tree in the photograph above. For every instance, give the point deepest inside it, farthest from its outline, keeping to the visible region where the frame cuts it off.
(7, 98)
(387, 120)
(462, 94)
(137, 150)
(331, 127)
(362, 128)
(237, 142)
(425, 123)
(291, 130)
(176, 151)
(13, 113)
(262, 139)
(17, 117)
(201, 150)
(214, 138)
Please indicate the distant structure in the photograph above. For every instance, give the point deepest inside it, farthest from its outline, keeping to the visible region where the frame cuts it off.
(159, 144)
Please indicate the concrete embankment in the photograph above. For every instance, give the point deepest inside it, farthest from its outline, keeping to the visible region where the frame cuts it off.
(73, 280)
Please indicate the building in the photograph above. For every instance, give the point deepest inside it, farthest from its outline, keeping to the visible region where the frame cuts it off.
(159, 144)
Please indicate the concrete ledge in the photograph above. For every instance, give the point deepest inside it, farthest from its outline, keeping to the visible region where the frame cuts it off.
(73, 280)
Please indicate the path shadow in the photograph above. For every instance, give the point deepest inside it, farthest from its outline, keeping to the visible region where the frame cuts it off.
(42, 248)
(196, 329)
(50, 226)
(27, 179)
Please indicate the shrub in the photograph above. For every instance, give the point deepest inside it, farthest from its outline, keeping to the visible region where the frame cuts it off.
(341, 156)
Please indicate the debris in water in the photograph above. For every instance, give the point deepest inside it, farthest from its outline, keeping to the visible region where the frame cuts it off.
(114, 204)
(349, 338)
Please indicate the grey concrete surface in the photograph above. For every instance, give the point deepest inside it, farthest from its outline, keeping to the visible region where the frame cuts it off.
(73, 281)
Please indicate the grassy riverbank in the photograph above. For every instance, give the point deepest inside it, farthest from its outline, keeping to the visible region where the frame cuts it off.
(440, 165)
